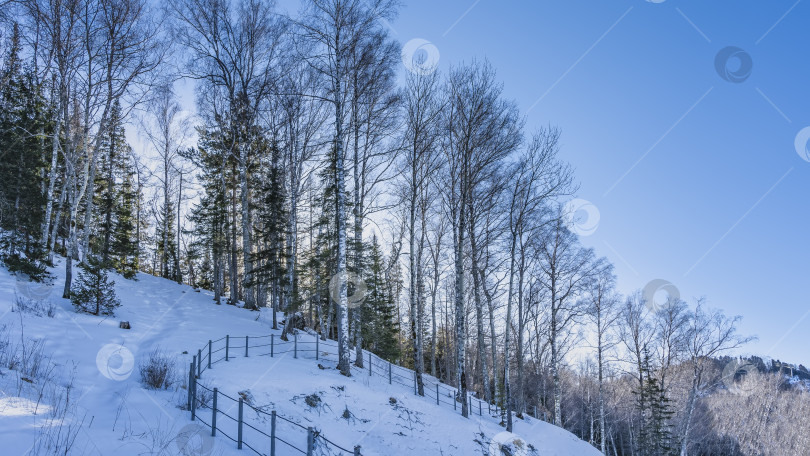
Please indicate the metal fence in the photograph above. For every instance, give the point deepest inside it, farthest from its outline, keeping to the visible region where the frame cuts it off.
(253, 431)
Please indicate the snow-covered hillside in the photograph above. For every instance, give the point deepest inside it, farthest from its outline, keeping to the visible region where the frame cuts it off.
(86, 386)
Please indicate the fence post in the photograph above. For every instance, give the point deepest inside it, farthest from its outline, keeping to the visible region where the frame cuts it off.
(190, 375)
(199, 363)
(437, 394)
(273, 433)
(193, 398)
(209, 353)
(357, 450)
(535, 411)
(479, 408)
(214, 415)
(239, 429)
(317, 343)
(227, 346)
(272, 338)
(414, 383)
(455, 397)
(470, 401)
(246, 346)
(310, 441)
(369, 363)
(295, 352)
(389, 372)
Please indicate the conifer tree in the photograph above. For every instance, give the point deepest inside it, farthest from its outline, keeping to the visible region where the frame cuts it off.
(210, 216)
(655, 437)
(117, 200)
(379, 311)
(94, 292)
(271, 258)
(125, 246)
(23, 122)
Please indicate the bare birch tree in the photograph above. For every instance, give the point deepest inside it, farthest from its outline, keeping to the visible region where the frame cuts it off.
(481, 130)
(334, 29)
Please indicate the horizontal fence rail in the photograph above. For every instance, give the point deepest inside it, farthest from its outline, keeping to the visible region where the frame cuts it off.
(266, 430)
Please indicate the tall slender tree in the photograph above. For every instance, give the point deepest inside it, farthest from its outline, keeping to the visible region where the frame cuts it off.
(335, 29)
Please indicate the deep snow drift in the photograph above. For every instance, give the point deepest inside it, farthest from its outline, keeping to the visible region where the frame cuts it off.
(79, 387)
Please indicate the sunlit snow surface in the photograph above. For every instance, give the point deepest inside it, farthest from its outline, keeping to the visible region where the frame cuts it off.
(116, 415)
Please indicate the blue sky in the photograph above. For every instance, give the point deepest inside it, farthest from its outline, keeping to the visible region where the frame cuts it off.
(696, 178)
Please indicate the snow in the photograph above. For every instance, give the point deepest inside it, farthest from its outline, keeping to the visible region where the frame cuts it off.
(112, 413)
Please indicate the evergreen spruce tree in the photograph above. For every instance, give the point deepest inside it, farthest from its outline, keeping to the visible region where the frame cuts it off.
(93, 291)
(210, 216)
(116, 200)
(271, 258)
(168, 269)
(320, 264)
(655, 436)
(24, 120)
(379, 312)
(125, 245)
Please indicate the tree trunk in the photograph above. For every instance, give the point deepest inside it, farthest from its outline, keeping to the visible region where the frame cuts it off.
(479, 315)
(507, 336)
(461, 331)
(247, 229)
(52, 173)
(340, 207)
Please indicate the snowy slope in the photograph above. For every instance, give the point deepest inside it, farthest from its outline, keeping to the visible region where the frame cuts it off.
(110, 412)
